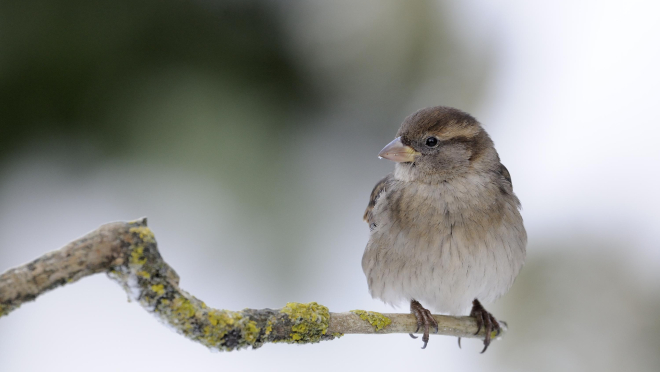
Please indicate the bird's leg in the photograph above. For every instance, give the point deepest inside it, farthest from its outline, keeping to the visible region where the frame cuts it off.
(425, 319)
(484, 319)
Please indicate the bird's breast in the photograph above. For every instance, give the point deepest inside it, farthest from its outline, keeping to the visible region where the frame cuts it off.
(466, 207)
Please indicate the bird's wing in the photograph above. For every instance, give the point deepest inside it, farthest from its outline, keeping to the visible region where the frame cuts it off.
(378, 190)
(505, 184)
(505, 173)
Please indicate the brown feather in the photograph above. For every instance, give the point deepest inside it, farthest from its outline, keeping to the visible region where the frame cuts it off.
(375, 194)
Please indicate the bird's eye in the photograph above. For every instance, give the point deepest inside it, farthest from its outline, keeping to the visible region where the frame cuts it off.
(431, 142)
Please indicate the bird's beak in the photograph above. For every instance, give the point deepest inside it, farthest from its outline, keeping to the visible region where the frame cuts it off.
(398, 152)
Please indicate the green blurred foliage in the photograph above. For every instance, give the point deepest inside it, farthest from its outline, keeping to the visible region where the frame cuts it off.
(66, 64)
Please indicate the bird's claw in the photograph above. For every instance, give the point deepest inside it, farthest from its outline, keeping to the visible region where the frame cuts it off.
(486, 320)
(424, 319)
(412, 335)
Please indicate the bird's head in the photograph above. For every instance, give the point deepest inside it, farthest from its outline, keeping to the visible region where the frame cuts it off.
(439, 143)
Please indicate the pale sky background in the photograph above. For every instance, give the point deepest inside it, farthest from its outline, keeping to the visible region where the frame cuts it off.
(571, 103)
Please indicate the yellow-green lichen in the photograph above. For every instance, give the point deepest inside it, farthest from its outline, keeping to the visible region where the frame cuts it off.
(224, 321)
(144, 274)
(269, 327)
(137, 256)
(377, 320)
(223, 318)
(145, 233)
(250, 332)
(159, 289)
(217, 329)
(181, 309)
(2, 310)
(310, 321)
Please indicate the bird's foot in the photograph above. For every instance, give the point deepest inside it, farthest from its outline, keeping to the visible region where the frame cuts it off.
(424, 319)
(486, 320)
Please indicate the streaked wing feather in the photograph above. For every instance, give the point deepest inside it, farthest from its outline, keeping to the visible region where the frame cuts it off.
(380, 187)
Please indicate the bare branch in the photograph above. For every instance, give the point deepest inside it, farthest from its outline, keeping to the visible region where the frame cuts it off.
(127, 251)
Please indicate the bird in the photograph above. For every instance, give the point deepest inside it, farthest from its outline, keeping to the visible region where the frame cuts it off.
(445, 225)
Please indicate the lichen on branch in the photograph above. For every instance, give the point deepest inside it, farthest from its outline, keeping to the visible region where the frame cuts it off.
(149, 280)
(377, 320)
(128, 253)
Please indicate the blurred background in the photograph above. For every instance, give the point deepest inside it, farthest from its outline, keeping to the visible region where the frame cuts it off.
(247, 131)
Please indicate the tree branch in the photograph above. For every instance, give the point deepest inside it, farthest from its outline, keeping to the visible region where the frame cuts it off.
(127, 251)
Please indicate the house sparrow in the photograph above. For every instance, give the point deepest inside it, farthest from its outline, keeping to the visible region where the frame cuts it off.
(445, 226)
